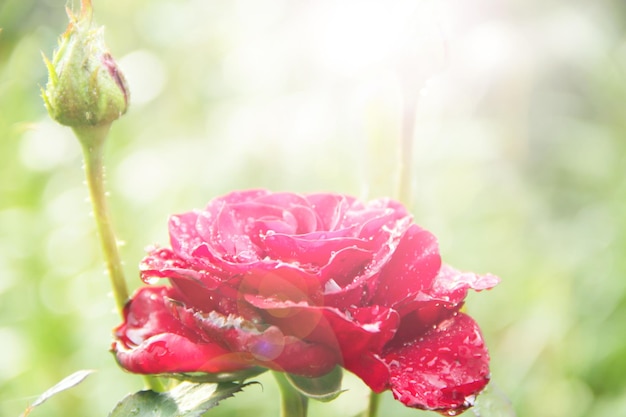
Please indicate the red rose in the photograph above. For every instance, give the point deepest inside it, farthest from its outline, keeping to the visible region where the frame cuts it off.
(302, 283)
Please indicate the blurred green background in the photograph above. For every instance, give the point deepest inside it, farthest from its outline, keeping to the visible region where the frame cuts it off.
(519, 163)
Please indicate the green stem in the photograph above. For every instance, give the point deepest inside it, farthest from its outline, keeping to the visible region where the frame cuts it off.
(372, 408)
(92, 140)
(293, 404)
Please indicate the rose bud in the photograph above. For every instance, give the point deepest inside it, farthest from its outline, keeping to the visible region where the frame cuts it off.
(85, 87)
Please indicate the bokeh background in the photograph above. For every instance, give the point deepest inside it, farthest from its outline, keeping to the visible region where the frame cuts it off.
(518, 167)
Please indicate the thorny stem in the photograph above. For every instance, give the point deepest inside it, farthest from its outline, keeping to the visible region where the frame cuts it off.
(92, 140)
(293, 404)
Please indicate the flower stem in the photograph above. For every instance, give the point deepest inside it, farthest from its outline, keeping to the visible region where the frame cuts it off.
(293, 404)
(372, 407)
(92, 140)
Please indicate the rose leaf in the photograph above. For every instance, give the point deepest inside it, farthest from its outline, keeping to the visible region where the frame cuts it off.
(66, 383)
(185, 400)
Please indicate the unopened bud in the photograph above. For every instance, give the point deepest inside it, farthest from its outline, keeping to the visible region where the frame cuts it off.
(85, 87)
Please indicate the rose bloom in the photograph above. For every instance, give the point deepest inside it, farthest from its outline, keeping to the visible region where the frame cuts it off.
(301, 284)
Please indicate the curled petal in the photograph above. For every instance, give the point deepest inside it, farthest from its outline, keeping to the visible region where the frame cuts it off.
(281, 281)
(265, 346)
(444, 370)
(308, 251)
(359, 333)
(411, 269)
(451, 285)
(171, 353)
(152, 340)
(330, 209)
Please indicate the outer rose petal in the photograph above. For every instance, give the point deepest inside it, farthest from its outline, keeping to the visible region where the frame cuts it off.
(151, 340)
(440, 301)
(170, 353)
(451, 285)
(268, 346)
(442, 371)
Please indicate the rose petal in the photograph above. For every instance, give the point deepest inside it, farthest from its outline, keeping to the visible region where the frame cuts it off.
(146, 315)
(330, 209)
(384, 236)
(360, 213)
(452, 285)
(306, 252)
(297, 205)
(152, 340)
(443, 298)
(164, 263)
(412, 268)
(343, 266)
(283, 282)
(184, 236)
(264, 346)
(442, 371)
(420, 317)
(359, 334)
(172, 353)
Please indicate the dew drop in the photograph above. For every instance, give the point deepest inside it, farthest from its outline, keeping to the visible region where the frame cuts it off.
(158, 349)
(151, 280)
(469, 400)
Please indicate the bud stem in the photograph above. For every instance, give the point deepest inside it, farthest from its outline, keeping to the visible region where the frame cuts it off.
(92, 141)
(293, 404)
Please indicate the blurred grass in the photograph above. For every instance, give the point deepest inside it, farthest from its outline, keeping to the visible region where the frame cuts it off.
(519, 170)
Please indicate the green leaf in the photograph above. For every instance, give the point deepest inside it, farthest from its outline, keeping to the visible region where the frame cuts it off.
(185, 400)
(66, 383)
(324, 388)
